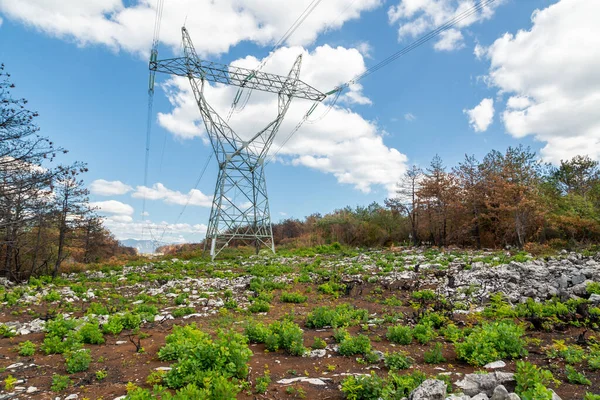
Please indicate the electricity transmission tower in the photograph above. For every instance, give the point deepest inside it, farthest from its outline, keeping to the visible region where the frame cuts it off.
(240, 207)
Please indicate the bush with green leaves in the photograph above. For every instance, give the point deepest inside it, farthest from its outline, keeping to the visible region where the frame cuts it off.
(293, 297)
(284, 335)
(90, 333)
(61, 336)
(27, 348)
(492, 341)
(318, 343)
(114, 325)
(363, 387)
(332, 288)
(353, 345)
(576, 377)
(532, 381)
(434, 355)
(183, 311)
(340, 316)
(400, 386)
(78, 360)
(424, 333)
(398, 360)
(202, 361)
(259, 306)
(7, 331)
(262, 383)
(132, 321)
(591, 396)
(97, 309)
(400, 334)
(60, 383)
(593, 288)
(215, 387)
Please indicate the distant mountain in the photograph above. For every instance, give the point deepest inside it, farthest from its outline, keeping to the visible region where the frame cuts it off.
(142, 246)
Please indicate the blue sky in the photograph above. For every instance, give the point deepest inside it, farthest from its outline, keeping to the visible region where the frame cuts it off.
(84, 69)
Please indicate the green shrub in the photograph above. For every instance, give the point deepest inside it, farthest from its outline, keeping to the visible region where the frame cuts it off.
(114, 325)
(52, 296)
(132, 321)
(319, 343)
(78, 361)
(423, 295)
(6, 331)
(101, 374)
(295, 297)
(259, 306)
(286, 335)
(591, 396)
(340, 316)
(594, 362)
(434, 355)
(262, 383)
(578, 378)
(27, 349)
(593, 288)
(183, 311)
(341, 334)
(400, 386)
(59, 383)
(363, 387)
(97, 309)
(205, 362)
(355, 345)
(332, 288)
(491, 342)
(532, 382)
(90, 333)
(256, 332)
(61, 336)
(398, 360)
(400, 334)
(423, 333)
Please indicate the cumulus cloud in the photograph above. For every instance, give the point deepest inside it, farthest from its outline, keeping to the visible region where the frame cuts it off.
(163, 231)
(339, 141)
(417, 17)
(215, 25)
(112, 207)
(158, 191)
(482, 116)
(101, 187)
(552, 74)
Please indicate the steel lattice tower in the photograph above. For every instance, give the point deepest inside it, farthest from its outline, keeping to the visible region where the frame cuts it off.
(240, 208)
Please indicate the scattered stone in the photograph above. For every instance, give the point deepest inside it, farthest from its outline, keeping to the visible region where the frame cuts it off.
(162, 368)
(495, 365)
(31, 389)
(121, 342)
(312, 381)
(431, 389)
(500, 393)
(458, 397)
(555, 396)
(72, 397)
(594, 298)
(318, 353)
(513, 396)
(474, 384)
(15, 366)
(480, 396)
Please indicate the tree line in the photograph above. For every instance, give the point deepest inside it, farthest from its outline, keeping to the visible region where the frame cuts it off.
(45, 217)
(505, 199)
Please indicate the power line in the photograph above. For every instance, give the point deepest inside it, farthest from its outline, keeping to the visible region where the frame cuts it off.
(301, 18)
(422, 40)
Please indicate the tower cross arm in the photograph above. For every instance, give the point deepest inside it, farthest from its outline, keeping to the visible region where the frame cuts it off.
(236, 76)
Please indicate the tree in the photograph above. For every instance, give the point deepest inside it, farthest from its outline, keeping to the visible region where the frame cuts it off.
(407, 200)
(71, 200)
(471, 194)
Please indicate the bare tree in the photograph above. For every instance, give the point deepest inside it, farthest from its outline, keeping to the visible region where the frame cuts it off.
(407, 201)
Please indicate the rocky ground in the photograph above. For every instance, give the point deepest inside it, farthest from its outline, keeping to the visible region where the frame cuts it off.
(407, 288)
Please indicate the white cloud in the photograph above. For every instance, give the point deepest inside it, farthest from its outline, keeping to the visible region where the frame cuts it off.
(101, 187)
(365, 49)
(417, 17)
(1, 21)
(163, 231)
(215, 25)
(341, 142)
(409, 117)
(482, 116)
(451, 39)
(113, 207)
(552, 73)
(158, 191)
